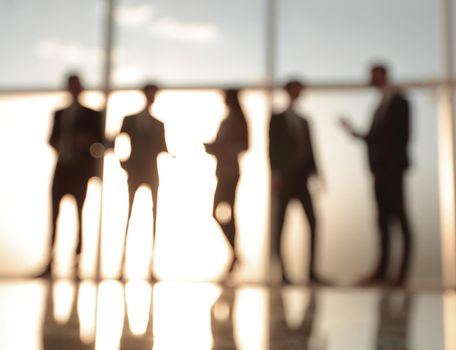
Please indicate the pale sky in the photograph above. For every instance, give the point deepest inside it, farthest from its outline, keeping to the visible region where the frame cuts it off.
(217, 41)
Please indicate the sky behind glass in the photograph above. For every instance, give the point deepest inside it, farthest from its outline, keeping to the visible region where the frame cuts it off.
(217, 41)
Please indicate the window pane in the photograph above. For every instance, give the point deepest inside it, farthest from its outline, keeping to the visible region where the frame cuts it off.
(42, 40)
(335, 40)
(190, 42)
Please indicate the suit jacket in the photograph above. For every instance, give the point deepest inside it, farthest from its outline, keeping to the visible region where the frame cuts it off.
(388, 136)
(147, 141)
(85, 130)
(291, 151)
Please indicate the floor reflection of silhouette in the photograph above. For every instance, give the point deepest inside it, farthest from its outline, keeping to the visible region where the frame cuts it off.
(182, 315)
(289, 333)
(62, 320)
(138, 323)
(166, 315)
(222, 317)
(394, 316)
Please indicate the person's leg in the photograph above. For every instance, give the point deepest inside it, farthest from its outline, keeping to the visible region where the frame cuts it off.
(383, 217)
(79, 191)
(230, 227)
(282, 205)
(219, 197)
(56, 199)
(400, 212)
(132, 188)
(223, 212)
(57, 194)
(306, 201)
(154, 193)
(80, 196)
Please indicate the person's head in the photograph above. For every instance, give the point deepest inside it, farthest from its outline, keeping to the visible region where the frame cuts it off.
(293, 89)
(74, 86)
(379, 76)
(232, 101)
(150, 91)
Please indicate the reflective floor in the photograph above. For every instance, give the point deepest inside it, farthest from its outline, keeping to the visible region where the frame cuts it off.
(64, 314)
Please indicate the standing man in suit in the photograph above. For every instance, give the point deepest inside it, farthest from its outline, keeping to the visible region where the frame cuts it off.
(147, 139)
(75, 131)
(292, 164)
(387, 142)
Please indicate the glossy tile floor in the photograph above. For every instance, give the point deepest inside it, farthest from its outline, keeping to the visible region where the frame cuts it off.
(64, 314)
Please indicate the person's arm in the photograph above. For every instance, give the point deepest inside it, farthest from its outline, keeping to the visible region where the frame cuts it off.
(162, 146)
(124, 129)
(55, 132)
(122, 136)
(274, 156)
(404, 126)
(313, 163)
(315, 171)
(216, 146)
(348, 127)
(244, 137)
(98, 130)
(211, 147)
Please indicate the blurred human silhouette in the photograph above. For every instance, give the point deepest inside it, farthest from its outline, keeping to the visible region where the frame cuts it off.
(232, 139)
(394, 320)
(75, 130)
(147, 139)
(292, 164)
(63, 334)
(387, 141)
(222, 321)
(283, 334)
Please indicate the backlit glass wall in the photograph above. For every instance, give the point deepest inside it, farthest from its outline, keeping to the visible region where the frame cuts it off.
(215, 43)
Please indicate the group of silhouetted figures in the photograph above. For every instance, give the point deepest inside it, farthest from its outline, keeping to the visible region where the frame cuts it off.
(77, 130)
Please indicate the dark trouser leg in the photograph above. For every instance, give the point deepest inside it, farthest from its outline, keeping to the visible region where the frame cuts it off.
(383, 214)
(229, 228)
(80, 197)
(132, 188)
(225, 193)
(154, 193)
(57, 196)
(306, 201)
(282, 204)
(401, 213)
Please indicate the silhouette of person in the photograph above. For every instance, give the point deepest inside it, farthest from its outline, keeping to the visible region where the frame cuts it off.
(286, 336)
(232, 139)
(292, 162)
(75, 130)
(394, 320)
(387, 141)
(147, 139)
(222, 321)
